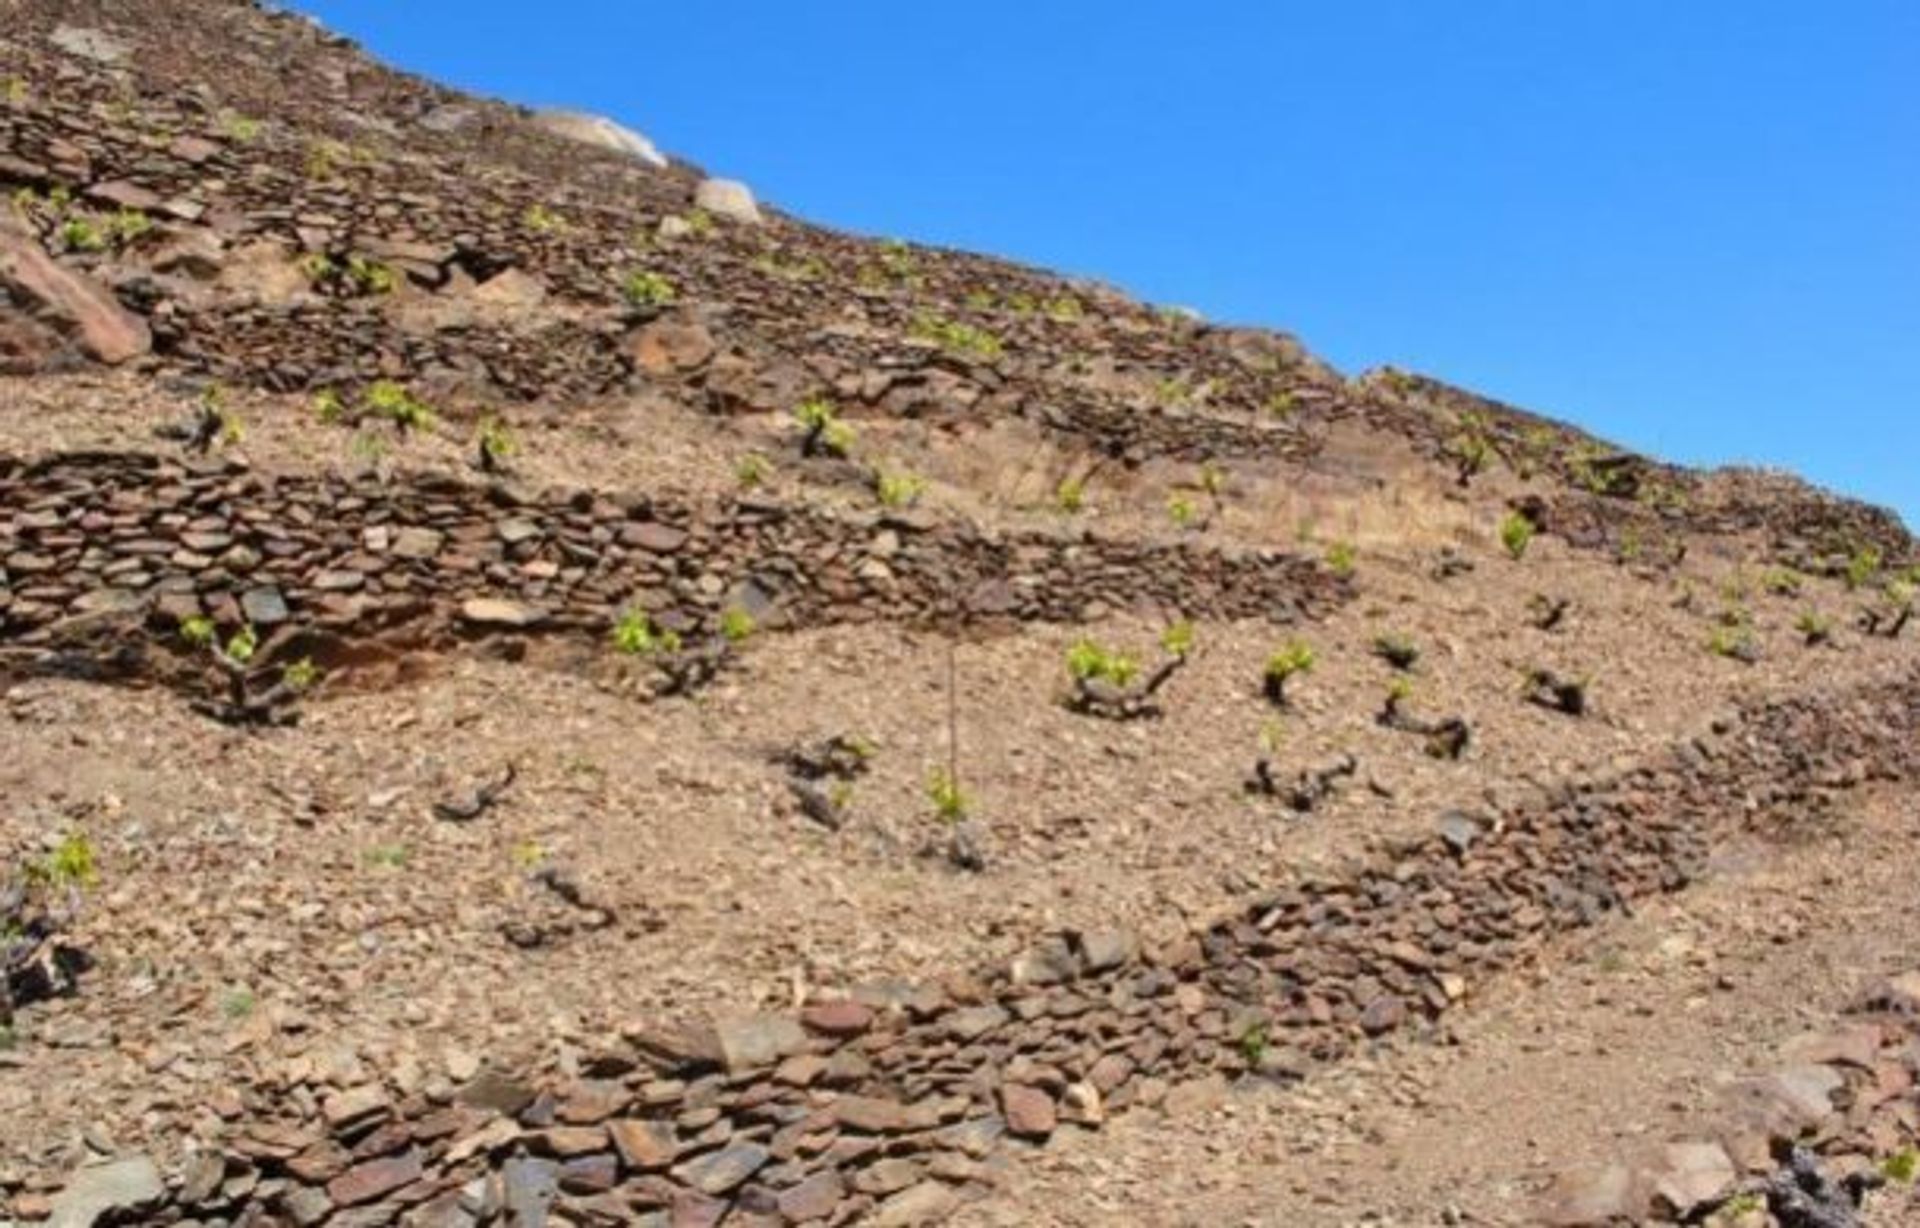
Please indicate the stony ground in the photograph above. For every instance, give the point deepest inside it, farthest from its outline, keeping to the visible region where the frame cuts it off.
(316, 995)
(1637, 1038)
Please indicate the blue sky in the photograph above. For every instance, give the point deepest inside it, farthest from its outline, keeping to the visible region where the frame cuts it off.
(1691, 226)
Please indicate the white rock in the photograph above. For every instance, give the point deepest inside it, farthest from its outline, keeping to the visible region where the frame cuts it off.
(598, 130)
(126, 1185)
(728, 198)
(449, 117)
(90, 44)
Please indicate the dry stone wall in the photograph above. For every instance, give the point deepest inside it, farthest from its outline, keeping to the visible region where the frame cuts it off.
(112, 533)
(895, 1103)
(438, 217)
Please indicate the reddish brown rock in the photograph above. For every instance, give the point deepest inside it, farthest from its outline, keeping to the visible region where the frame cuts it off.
(1030, 1112)
(843, 1018)
(57, 314)
(814, 1198)
(644, 1145)
(870, 1114)
(668, 347)
(375, 1178)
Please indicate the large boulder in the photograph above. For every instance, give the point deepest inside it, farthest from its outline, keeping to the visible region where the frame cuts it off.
(728, 198)
(50, 315)
(600, 131)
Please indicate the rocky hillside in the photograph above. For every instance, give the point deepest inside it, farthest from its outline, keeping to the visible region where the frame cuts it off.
(539, 689)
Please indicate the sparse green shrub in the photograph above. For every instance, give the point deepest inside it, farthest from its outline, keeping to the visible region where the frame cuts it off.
(644, 288)
(1741, 1205)
(128, 226)
(237, 1003)
(898, 259)
(386, 399)
(1585, 470)
(1862, 566)
(957, 336)
(71, 864)
(1178, 639)
(1065, 309)
(527, 854)
(1254, 1044)
(1396, 650)
(1174, 390)
(1516, 534)
(1281, 405)
(897, 490)
(217, 423)
(324, 157)
(1470, 448)
(736, 625)
(1734, 641)
(1288, 662)
(822, 429)
(1781, 582)
(197, 630)
(496, 443)
(389, 856)
(752, 470)
(1342, 559)
(542, 220)
(635, 635)
(318, 268)
(303, 674)
(243, 644)
(1901, 1166)
(240, 128)
(1814, 627)
(1071, 495)
(950, 802)
(1088, 661)
(369, 276)
(327, 406)
(1184, 512)
(809, 269)
(81, 235)
(1214, 480)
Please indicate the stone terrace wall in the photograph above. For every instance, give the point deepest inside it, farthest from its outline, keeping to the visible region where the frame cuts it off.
(93, 534)
(894, 1104)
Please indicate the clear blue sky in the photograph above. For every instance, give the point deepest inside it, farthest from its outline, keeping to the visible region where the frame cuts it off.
(1691, 225)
